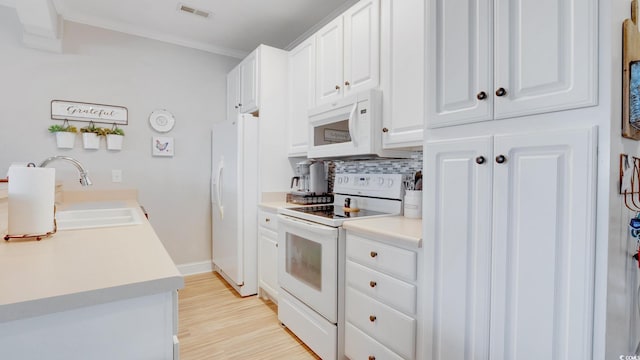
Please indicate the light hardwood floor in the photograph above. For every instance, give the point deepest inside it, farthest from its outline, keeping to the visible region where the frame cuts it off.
(216, 323)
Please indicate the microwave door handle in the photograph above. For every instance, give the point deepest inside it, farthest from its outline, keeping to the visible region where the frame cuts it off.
(352, 123)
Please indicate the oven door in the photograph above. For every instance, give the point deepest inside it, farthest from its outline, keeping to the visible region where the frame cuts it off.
(308, 264)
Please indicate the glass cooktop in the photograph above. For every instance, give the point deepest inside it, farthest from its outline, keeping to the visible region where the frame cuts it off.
(335, 212)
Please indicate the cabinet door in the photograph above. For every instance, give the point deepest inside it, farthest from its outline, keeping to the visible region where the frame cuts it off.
(233, 93)
(362, 46)
(329, 62)
(546, 55)
(268, 262)
(458, 248)
(402, 72)
(544, 243)
(249, 83)
(302, 72)
(459, 63)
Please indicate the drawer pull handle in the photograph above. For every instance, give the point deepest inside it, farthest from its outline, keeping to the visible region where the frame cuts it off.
(372, 318)
(267, 220)
(373, 254)
(371, 357)
(372, 284)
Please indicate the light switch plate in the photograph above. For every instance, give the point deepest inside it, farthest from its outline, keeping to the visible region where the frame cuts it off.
(116, 176)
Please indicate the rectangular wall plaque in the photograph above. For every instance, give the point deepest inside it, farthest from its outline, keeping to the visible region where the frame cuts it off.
(99, 113)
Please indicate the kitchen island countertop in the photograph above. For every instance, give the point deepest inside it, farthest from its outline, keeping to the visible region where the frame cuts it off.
(76, 268)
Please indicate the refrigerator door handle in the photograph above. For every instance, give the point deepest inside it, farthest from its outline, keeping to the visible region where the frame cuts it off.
(219, 188)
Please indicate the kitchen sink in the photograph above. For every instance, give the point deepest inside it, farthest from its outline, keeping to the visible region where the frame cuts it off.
(97, 218)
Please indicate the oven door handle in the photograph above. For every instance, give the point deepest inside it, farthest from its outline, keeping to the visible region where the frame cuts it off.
(303, 224)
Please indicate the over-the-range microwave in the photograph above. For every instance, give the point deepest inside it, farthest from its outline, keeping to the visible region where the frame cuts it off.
(349, 128)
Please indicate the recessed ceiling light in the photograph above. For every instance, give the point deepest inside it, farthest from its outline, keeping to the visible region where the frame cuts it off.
(192, 10)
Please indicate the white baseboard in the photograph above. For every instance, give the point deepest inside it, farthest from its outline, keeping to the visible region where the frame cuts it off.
(195, 268)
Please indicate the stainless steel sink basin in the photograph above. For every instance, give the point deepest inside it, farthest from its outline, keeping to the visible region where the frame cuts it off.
(97, 218)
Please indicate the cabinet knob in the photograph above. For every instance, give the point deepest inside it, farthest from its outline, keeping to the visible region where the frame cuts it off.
(267, 220)
(236, 106)
(239, 105)
(501, 92)
(501, 159)
(373, 284)
(371, 357)
(373, 254)
(480, 160)
(337, 87)
(385, 130)
(481, 95)
(347, 83)
(372, 318)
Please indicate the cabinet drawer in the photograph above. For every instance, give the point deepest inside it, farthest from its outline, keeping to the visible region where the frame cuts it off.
(389, 259)
(358, 345)
(389, 326)
(391, 291)
(268, 219)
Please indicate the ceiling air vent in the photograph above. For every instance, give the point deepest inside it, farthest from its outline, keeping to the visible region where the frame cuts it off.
(191, 10)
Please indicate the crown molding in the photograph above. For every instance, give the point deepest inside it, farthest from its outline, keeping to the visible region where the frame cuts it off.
(138, 31)
(327, 19)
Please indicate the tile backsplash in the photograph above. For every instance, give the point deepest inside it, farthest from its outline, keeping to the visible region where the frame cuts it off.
(378, 166)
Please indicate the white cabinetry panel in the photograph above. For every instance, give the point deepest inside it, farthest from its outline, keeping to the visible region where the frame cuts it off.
(496, 59)
(513, 227)
(302, 73)
(460, 199)
(546, 55)
(361, 46)
(329, 71)
(402, 72)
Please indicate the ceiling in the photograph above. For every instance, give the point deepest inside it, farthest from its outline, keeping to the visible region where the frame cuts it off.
(235, 27)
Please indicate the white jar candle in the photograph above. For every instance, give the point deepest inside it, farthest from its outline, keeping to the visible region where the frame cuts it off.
(413, 204)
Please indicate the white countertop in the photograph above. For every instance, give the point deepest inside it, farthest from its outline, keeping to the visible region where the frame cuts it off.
(397, 229)
(76, 268)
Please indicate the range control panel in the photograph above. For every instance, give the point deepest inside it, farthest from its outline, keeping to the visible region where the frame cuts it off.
(377, 185)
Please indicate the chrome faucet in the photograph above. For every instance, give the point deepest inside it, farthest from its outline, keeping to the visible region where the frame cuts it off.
(84, 174)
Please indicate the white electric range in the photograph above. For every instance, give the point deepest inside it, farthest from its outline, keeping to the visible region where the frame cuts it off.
(311, 257)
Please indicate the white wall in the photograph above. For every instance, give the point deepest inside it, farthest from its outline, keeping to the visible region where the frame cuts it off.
(101, 66)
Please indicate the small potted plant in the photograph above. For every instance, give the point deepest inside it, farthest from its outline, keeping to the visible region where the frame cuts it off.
(115, 137)
(65, 135)
(91, 136)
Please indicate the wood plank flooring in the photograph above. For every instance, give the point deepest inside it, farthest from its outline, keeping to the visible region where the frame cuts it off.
(216, 323)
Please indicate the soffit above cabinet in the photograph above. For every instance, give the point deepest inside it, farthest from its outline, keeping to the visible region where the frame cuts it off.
(234, 28)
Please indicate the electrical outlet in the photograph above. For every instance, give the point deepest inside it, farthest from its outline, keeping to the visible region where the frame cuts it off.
(116, 176)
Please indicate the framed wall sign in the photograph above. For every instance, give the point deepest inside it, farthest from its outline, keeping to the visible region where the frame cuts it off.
(98, 113)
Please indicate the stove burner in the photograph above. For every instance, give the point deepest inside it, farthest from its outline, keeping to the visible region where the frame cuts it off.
(335, 212)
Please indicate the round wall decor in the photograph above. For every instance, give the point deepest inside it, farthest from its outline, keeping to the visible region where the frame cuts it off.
(162, 120)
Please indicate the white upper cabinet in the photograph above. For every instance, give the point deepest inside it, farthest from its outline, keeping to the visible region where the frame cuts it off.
(348, 53)
(302, 66)
(249, 83)
(329, 62)
(233, 93)
(242, 87)
(402, 72)
(362, 46)
(496, 59)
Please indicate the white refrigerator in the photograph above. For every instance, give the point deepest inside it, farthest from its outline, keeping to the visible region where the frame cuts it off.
(234, 202)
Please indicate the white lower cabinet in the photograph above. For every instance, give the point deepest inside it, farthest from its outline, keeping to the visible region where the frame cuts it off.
(268, 255)
(509, 246)
(380, 300)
